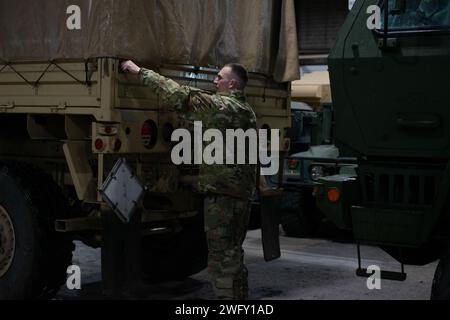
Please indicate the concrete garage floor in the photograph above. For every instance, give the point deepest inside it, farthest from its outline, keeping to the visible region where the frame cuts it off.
(309, 269)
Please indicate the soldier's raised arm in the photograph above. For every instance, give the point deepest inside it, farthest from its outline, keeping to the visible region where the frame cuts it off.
(188, 99)
(171, 92)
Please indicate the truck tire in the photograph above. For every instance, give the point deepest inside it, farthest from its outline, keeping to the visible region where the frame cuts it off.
(298, 214)
(33, 256)
(440, 289)
(176, 256)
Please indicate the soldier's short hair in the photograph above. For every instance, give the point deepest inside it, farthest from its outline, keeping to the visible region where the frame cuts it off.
(240, 72)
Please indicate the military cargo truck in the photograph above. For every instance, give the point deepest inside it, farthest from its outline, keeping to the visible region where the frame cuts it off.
(390, 92)
(69, 117)
(311, 110)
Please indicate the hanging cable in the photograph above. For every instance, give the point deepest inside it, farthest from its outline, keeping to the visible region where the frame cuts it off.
(86, 71)
(20, 75)
(36, 83)
(68, 73)
(3, 67)
(264, 91)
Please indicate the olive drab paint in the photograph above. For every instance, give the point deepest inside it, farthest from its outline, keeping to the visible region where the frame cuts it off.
(390, 97)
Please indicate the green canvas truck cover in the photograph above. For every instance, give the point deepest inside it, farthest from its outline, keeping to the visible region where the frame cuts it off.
(261, 34)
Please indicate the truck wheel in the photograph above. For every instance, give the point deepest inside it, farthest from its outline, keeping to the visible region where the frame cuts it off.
(176, 256)
(298, 214)
(440, 289)
(33, 257)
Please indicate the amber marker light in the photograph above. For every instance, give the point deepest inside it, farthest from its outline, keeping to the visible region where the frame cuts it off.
(333, 194)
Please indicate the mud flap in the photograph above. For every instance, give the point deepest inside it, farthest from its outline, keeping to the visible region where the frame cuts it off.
(120, 254)
(270, 221)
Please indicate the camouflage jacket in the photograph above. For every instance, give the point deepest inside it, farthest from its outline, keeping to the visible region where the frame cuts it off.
(215, 111)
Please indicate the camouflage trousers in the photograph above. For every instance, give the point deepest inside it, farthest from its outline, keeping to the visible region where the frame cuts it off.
(226, 222)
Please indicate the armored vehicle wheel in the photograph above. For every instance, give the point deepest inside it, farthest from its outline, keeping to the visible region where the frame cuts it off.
(298, 214)
(33, 257)
(440, 289)
(176, 256)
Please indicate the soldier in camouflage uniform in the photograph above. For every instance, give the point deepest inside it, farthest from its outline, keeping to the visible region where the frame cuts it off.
(228, 188)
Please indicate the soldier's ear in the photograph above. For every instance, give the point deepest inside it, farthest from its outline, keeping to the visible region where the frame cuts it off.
(232, 84)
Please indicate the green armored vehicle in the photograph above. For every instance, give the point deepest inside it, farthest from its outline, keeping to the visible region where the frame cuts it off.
(83, 145)
(390, 94)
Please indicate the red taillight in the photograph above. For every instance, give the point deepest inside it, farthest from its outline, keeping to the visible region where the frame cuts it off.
(292, 164)
(145, 130)
(146, 134)
(99, 144)
(108, 130)
(117, 145)
(149, 132)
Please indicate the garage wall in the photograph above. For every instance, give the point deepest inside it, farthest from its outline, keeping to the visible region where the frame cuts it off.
(318, 22)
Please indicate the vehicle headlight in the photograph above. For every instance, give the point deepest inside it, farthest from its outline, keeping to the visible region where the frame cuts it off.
(316, 172)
